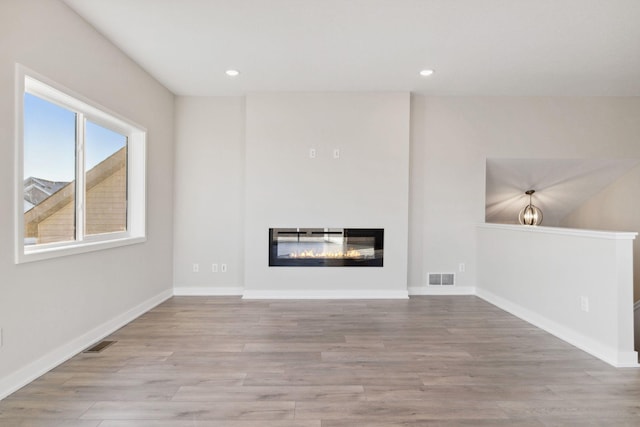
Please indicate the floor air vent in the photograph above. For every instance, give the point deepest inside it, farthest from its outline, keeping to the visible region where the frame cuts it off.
(442, 279)
(99, 347)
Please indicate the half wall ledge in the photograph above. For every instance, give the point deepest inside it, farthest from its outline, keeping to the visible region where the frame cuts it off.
(575, 284)
(598, 234)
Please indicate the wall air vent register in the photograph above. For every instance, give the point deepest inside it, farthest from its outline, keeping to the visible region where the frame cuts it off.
(444, 279)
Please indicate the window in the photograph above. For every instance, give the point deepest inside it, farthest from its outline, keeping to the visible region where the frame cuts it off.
(80, 173)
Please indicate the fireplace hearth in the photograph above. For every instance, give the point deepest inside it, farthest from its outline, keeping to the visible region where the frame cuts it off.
(326, 247)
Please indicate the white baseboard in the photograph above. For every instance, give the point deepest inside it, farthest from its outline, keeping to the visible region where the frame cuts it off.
(324, 294)
(442, 290)
(207, 291)
(595, 348)
(33, 370)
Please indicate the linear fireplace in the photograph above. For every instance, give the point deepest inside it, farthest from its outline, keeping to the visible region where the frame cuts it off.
(326, 247)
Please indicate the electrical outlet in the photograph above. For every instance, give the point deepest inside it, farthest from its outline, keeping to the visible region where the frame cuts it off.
(461, 267)
(196, 268)
(223, 268)
(214, 268)
(312, 153)
(336, 153)
(584, 304)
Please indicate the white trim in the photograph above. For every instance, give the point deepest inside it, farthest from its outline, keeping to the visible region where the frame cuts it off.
(137, 184)
(614, 235)
(584, 343)
(18, 164)
(442, 290)
(78, 248)
(207, 290)
(324, 294)
(33, 370)
(44, 87)
(80, 175)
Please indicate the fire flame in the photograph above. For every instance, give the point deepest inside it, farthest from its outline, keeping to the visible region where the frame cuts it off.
(350, 253)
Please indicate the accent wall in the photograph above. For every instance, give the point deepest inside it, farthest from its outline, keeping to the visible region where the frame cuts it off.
(363, 185)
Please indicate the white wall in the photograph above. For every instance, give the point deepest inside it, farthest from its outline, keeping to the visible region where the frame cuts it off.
(614, 208)
(451, 139)
(636, 324)
(48, 309)
(366, 187)
(540, 274)
(209, 195)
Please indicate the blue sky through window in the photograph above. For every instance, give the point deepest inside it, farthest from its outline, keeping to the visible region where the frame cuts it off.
(100, 143)
(49, 141)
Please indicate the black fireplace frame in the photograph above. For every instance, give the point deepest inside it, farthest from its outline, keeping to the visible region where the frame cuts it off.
(376, 233)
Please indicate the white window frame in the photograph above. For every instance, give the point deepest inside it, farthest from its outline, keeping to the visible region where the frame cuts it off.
(28, 81)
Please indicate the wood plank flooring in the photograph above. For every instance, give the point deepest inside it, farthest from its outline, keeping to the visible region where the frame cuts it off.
(427, 361)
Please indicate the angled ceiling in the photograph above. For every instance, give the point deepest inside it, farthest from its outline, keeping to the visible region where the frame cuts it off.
(488, 47)
(561, 185)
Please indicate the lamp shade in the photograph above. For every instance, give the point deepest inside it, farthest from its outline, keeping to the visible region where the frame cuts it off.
(530, 214)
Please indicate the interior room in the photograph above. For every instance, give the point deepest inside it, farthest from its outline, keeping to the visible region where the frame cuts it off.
(319, 212)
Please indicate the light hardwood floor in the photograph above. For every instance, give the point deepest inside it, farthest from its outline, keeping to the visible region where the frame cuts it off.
(427, 361)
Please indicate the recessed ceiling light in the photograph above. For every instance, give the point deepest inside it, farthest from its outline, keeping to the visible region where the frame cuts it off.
(426, 73)
(232, 73)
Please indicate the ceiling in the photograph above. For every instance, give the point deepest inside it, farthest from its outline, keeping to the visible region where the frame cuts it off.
(488, 47)
(561, 185)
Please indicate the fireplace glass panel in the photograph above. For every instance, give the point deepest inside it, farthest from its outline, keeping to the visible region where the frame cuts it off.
(326, 247)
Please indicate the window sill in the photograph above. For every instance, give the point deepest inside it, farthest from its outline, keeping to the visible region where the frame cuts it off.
(38, 254)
